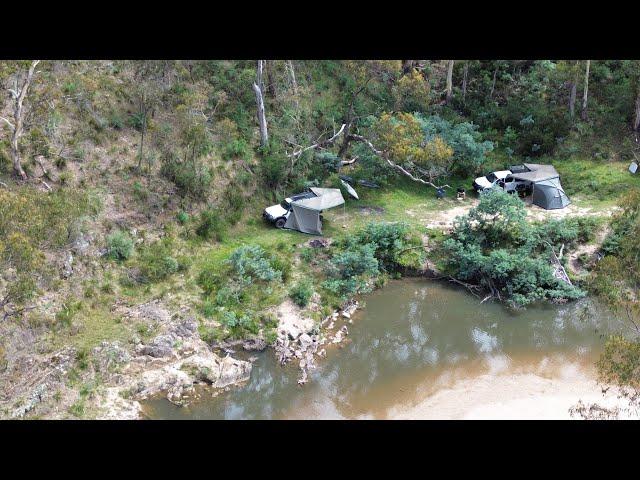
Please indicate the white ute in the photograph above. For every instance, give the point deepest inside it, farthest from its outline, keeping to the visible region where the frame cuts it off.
(278, 214)
(488, 181)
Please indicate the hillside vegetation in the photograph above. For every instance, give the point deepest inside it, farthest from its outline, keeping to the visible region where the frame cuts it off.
(124, 183)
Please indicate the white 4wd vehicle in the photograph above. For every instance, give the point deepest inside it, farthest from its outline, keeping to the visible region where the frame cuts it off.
(502, 179)
(488, 181)
(278, 214)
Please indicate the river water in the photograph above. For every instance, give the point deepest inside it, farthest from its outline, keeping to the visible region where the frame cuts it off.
(425, 349)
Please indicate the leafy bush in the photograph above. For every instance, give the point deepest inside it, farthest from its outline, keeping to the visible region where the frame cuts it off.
(157, 262)
(621, 241)
(238, 288)
(140, 192)
(69, 310)
(239, 324)
(363, 256)
(469, 149)
(182, 217)
(568, 231)
(192, 178)
(244, 267)
(273, 170)
(211, 226)
(493, 246)
(301, 293)
(119, 246)
(394, 245)
(251, 262)
(236, 148)
(357, 260)
(116, 121)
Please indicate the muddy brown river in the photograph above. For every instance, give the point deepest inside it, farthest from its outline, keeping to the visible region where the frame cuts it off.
(425, 349)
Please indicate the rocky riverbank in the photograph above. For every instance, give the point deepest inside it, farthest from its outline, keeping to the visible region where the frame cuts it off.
(301, 340)
(116, 376)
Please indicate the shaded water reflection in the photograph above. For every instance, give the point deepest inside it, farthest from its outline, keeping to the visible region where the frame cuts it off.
(410, 331)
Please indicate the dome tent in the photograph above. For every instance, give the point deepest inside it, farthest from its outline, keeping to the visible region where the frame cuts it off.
(549, 194)
(547, 189)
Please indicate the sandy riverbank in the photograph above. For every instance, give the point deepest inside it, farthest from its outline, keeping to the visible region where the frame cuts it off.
(544, 391)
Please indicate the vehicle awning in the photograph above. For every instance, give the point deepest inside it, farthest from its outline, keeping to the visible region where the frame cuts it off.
(537, 173)
(305, 213)
(326, 198)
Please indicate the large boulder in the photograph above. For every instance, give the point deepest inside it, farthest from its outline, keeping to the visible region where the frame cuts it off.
(161, 346)
(216, 371)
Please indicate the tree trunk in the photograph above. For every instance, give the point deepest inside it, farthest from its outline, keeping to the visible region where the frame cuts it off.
(407, 66)
(573, 87)
(636, 117)
(19, 95)
(259, 74)
(493, 83)
(142, 130)
(585, 96)
(449, 82)
(464, 81)
(271, 84)
(262, 119)
(292, 76)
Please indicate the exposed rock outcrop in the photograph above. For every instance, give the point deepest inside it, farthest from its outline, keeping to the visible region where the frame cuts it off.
(300, 339)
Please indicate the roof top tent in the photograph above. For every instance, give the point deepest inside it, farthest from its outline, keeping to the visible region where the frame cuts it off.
(547, 190)
(305, 213)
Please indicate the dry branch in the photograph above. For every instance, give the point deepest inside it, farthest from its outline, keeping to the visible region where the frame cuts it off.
(319, 144)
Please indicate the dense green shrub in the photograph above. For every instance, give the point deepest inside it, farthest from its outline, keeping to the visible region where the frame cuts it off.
(237, 288)
(239, 324)
(119, 245)
(211, 226)
(621, 240)
(394, 245)
(182, 217)
(273, 170)
(156, 262)
(570, 231)
(69, 309)
(301, 293)
(493, 246)
(377, 248)
(192, 178)
(252, 262)
(236, 148)
(469, 148)
(244, 267)
(116, 121)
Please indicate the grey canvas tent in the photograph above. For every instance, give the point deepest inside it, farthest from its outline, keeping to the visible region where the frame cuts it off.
(305, 213)
(547, 190)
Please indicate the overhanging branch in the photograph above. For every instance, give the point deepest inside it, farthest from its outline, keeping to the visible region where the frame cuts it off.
(404, 171)
(299, 151)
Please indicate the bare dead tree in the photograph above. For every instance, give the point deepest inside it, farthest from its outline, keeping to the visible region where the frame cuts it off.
(262, 119)
(18, 95)
(585, 95)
